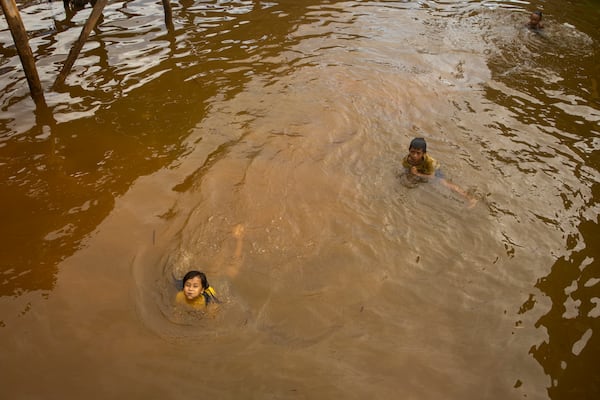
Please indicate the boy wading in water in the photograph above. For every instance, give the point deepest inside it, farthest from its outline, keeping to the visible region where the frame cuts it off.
(419, 164)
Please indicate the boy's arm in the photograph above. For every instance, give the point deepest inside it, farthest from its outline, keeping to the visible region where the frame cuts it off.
(429, 166)
(413, 170)
(405, 163)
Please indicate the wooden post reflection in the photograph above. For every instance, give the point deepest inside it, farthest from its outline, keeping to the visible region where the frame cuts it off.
(168, 15)
(19, 34)
(85, 32)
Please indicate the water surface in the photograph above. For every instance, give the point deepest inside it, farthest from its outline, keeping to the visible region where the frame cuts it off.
(291, 118)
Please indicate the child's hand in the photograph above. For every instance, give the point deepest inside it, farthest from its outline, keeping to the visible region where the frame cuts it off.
(413, 170)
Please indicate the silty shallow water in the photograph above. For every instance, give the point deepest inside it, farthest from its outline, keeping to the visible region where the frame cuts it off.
(291, 119)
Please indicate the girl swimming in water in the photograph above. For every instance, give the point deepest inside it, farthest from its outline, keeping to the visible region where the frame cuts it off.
(196, 293)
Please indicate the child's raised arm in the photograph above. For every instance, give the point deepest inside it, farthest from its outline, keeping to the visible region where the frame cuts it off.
(234, 268)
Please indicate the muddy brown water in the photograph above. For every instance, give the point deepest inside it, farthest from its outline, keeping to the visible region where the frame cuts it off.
(291, 119)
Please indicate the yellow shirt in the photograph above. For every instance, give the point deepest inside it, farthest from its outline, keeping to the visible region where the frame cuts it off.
(199, 302)
(427, 166)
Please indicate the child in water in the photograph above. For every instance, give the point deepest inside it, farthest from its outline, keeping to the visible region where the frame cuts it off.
(535, 20)
(420, 165)
(196, 292)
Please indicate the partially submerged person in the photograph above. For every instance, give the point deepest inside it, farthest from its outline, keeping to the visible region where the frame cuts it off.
(421, 165)
(535, 20)
(196, 292)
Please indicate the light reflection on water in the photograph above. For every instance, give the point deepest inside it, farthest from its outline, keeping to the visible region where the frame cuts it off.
(292, 118)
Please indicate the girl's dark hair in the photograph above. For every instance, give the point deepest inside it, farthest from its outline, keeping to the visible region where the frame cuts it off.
(419, 144)
(193, 274)
(539, 13)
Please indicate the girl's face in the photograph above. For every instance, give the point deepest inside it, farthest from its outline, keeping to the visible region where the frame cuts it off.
(193, 288)
(415, 156)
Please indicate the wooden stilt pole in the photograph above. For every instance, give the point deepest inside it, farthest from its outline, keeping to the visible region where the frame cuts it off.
(168, 15)
(85, 32)
(19, 34)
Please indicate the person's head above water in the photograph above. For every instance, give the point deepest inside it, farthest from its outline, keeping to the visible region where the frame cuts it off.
(418, 144)
(416, 151)
(194, 284)
(535, 20)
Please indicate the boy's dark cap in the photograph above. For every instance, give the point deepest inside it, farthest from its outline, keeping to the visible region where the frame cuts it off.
(419, 144)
